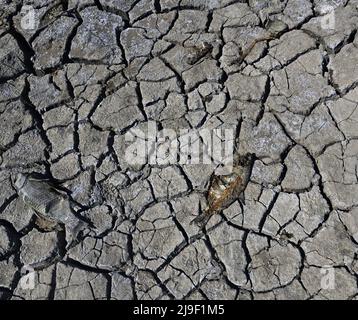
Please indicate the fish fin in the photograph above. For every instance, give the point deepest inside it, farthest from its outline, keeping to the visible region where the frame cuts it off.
(51, 186)
(63, 194)
(73, 236)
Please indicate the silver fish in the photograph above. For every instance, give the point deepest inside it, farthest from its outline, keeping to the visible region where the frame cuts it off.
(274, 27)
(49, 204)
(226, 189)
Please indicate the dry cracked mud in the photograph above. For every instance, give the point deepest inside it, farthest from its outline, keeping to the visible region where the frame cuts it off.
(89, 72)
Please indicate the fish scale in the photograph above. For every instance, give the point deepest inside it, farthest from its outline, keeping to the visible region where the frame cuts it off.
(40, 207)
(42, 199)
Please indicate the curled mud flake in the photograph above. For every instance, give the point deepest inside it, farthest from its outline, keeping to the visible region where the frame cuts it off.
(52, 206)
(276, 27)
(226, 189)
(198, 52)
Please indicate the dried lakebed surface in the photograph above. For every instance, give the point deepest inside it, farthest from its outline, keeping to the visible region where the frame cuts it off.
(280, 74)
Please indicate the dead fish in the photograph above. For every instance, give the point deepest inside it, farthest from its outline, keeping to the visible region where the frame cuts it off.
(198, 52)
(274, 27)
(226, 189)
(51, 205)
(243, 53)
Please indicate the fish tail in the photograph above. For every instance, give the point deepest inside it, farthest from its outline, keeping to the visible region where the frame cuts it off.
(202, 219)
(75, 234)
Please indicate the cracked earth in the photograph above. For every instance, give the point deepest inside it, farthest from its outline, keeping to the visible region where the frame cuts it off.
(71, 88)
